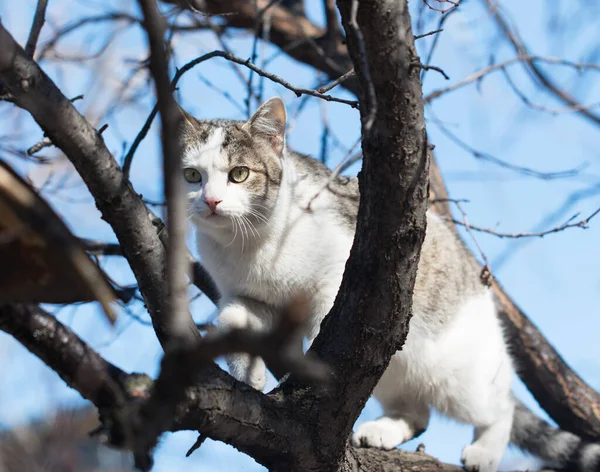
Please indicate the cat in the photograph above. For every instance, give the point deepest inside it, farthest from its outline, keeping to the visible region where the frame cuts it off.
(272, 224)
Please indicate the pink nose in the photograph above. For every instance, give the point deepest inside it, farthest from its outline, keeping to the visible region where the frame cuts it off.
(212, 204)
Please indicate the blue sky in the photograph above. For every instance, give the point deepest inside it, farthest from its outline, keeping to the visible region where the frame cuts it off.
(555, 280)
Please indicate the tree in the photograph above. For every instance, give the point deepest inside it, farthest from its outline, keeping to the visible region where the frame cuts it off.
(304, 423)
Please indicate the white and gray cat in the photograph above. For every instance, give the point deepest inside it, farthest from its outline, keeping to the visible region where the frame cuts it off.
(249, 199)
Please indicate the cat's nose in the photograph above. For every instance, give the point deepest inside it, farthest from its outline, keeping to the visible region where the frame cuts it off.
(212, 204)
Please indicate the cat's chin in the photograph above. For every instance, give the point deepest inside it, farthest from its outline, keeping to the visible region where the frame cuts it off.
(211, 221)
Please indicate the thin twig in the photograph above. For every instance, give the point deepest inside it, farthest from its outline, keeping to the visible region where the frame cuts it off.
(434, 44)
(427, 67)
(535, 106)
(336, 82)
(100, 248)
(258, 26)
(46, 142)
(179, 317)
(199, 276)
(335, 172)
(36, 27)
(486, 272)
(540, 234)
(453, 5)
(435, 31)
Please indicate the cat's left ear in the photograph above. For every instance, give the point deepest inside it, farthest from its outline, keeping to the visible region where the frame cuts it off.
(268, 123)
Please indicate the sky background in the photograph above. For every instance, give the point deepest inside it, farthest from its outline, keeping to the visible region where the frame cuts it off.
(555, 280)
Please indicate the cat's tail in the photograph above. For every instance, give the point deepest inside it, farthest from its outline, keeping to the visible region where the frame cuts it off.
(560, 448)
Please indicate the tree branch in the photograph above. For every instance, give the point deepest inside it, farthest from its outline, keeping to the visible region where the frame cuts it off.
(180, 325)
(383, 261)
(36, 27)
(62, 350)
(540, 234)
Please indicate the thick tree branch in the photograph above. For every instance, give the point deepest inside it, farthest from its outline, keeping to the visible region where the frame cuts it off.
(376, 460)
(383, 261)
(62, 350)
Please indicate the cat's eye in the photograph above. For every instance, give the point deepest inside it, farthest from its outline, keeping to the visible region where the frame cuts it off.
(239, 174)
(192, 175)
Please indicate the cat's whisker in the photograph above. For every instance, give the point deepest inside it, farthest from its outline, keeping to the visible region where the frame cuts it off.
(251, 227)
(258, 215)
(234, 231)
(261, 218)
(242, 230)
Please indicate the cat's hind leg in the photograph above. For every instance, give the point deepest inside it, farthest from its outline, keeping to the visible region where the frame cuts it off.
(489, 442)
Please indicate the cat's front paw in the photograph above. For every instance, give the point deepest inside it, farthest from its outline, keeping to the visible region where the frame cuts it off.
(384, 433)
(248, 370)
(256, 376)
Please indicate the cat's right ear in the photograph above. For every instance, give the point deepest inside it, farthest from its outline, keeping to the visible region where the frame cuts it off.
(184, 119)
(268, 123)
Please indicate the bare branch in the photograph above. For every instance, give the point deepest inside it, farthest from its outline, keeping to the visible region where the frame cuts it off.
(217, 405)
(179, 323)
(36, 27)
(486, 273)
(395, 159)
(370, 99)
(333, 32)
(430, 33)
(453, 5)
(336, 82)
(540, 234)
(428, 67)
(200, 278)
(76, 363)
(535, 106)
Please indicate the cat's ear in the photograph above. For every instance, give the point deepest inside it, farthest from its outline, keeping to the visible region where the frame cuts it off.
(268, 123)
(184, 119)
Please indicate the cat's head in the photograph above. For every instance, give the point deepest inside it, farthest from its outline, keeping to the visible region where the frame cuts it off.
(233, 169)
